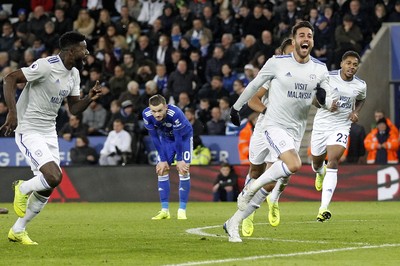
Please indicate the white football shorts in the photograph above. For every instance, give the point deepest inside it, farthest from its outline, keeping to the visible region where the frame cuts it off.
(272, 143)
(38, 149)
(321, 139)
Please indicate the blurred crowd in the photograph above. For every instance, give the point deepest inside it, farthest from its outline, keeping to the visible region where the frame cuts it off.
(199, 54)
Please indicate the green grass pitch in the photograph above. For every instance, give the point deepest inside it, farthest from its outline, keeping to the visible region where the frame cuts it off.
(359, 233)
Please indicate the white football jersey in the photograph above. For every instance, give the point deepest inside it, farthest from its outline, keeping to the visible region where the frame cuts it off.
(292, 91)
(49, 82)
(349, 92)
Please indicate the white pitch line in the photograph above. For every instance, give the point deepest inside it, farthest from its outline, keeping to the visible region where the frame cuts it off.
(283, 255)
(199, 231)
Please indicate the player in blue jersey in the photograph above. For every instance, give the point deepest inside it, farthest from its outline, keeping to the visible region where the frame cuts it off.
(172, 136)
(331, 130)
(48, 82)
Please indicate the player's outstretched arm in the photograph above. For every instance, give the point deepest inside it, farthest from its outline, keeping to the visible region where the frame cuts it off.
(10, 88)
(77, 106)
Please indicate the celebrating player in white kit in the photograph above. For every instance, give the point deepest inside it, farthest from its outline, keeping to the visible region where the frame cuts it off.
(331, 130)
(259, 159)
(294, 78)
(48, 81)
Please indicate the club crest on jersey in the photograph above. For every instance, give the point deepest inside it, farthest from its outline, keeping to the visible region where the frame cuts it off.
(38, 153)
(282, 143)
(34, 66)
(168, 124)
(313, 77)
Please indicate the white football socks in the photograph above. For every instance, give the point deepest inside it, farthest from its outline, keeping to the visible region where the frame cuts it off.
(35, 204)
(277, 170)
(328, 187)
(36, 183)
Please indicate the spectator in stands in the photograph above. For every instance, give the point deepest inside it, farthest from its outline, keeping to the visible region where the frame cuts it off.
(132, 93)
(82, 153)
(203, 112)
(379, 114)
(228, 77)
(348, 36)
(225, 185)
(206, 48)
(94, 75)
(117, 145)
(84, 24)
(216, 126)
(155, 33)
(244, 139)
(185, 47)
(251, 47)
(324, 42)
(102, 23)
(119, 82)
(382, 144)
(197, 31)
(360, 18)
(394, 15)
(355, 144)
(21, 24)
(223, 104)
(108, 65)
(201, 155)
(37, 21)
(123, 21)
(161, 79)
(163, 50)
(214, 64)
(287, 20)
(182, 80)
(149, 12)
(249, 74)
(73, 128)
(62, 23)
(197, 65)
(256, 23)
(144, 74)
(167, 18)
(106, 97)
(102, 46)
(113, 114)
(132, 35)
(49, 36)
(267, 44)
(176, 35)
(231, 50)
(7, 37)
(211, 22)
(134, 7)
(184, 101)
(150, 90)
(197, 125)
(144, 51)
(379, 17)
(185, 18)
(213, 91)
(95, 117)
(129, 65)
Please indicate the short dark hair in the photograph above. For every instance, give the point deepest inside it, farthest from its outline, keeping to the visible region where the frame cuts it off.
(351, 53)
(285, 43)
(302, 24)
(70, 38)
(157, 100)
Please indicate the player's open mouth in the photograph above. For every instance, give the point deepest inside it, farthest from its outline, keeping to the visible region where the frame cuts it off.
(304, 46)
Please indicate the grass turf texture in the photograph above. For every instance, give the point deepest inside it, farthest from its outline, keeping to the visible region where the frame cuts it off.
(124, 234)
